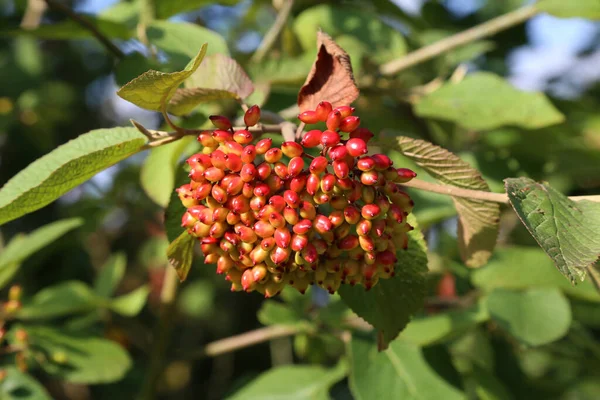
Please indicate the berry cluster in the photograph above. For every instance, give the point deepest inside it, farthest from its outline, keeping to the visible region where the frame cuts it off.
(269, 216)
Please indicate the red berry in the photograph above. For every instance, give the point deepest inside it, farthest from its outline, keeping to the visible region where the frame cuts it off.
(263, 145)
(345, 111)
(333, 120)
(322, 111)
(356, 147)
(252, 115)
(318, 165)
(330, 138)
(308, 117)
(338, 152)
(349, 123)
(291, 149)
(312, 139)
(220, 122)
(362, 133)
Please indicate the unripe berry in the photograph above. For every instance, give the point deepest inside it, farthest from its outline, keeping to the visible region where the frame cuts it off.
(252, 115)
(281, 170)
(308, 117)
(219, 194)
(356, 147)
(307, 210)
(312, 138)
(264, 229)
(205, 138)
(352, 215)
(348, 243)
(328, 183)
(220, 122)
(369, 178)
(273, 155)
(302, 227)
(330, 138)
(365, 164)
(263, 145)
(222, 136)
(349, 123)
(247, 280)
(370, 211)
(277, 220)
(248, 154)
(242, 136)
(218, 159)
(290, 215)
(291, 149)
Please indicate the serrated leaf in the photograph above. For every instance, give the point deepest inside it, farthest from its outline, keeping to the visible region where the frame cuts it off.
(181, 254)
(130, 304)
(185, 100)
(400, 372)
(65, 298)
(390, 304)
(471, 104)
(535, 316)
(292, 382)
(67, 166)
(111, 273)
(158, 172)
(180, 40)
(79, 359)
(23, 246)
(153, 89)
(568, 231)
(528, 267)
(571, 9)
(70, 29)
(477, 219)
(17, 385)
(436, 328)
(221, 72)
(175, 209)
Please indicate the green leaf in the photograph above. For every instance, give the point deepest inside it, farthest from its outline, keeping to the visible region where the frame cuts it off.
(79, 359)
(23, 246)
(67, 166)
(437, 328)
(17, 385)
(292, 382)
(570, 9)
(110, 275)
(367, 33)
(181, 254)
(153, 89)
(484, 101)
(69, 30)
(175, 209)
(168, 8)
(400, 372)
(180, 40)
(535, 316)
(525, 267)
(130, 304)
(477, 219)
(569, 232)
(59, 300)
(185, 100)
(158, 172)
(390, 304)
(488, 386)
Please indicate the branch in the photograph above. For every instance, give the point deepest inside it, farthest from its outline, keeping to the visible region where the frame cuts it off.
(85, 23)
(473, 194)
(483, 30)
(271, 36)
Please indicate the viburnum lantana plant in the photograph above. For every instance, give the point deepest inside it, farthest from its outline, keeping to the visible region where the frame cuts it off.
(269, 216)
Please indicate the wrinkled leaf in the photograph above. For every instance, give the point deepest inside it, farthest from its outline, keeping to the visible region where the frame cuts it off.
(65, 298)
(130, 304)
(535, 316)
(292, 382)
(79, 359)
(330, 79)
(525, 267)
(477, 219)
(220, 72)
(570, 9)
(23, 246)
(153, 89)
(400, 372)
(110, 275)
(181, 254)
(67, 166)
(17, 385)
(158, 172)
(185, 100)
(485, 101)
(441, 327)
(390, 304)
(568, 231)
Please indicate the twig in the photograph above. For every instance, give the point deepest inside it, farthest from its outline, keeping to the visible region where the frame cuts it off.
(163, 333)
(473, 194)
(85, 23)
(33, 14)
(483, 30)
(271, 36)
(147, 14)
(243, 340)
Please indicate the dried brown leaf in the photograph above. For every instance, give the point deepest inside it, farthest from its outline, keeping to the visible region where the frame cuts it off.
(330, 79)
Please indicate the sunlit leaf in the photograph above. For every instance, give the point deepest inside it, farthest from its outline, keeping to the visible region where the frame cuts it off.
(130, 304)
(570, 9)
(181, 254)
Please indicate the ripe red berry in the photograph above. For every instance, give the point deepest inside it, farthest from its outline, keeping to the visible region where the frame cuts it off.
(263, 145)
(308, 117)
(318, 165)
(330, 138)
(291, 149)
(349, 123)
(333, 120)
(252, 115)
(345, 111)
(322, 111)
(362, 133)
(220, 122)
(312, 139)
(356, 147)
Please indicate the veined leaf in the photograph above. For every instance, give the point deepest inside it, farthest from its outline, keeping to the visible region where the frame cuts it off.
(153, 89)
(485, 101)
(181, 254)
(185, 100)
(477, 219)
(390, 304)
(568, 231)
(571, 9)
(221, 72)
(67, 166)
(23, 246)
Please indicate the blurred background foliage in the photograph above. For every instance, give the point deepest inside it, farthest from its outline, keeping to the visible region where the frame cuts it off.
(83, 275)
